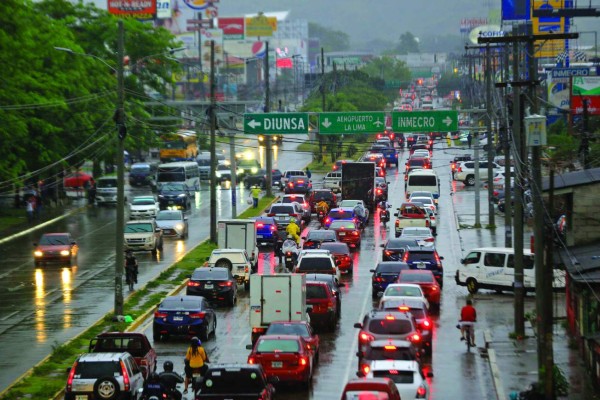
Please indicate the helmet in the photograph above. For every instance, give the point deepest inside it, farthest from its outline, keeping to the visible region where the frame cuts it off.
(290, 237)
(154, 377)
(195, 341)
(168, 366)
(293, 220)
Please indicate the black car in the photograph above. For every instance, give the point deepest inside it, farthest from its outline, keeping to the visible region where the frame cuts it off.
(142, 174)
(394, 248)
(386, 324)
(401, 140)
(425, 257)
(385, 272)
(298, 184)
(333, 284)
(236, 381)
(386, 350)
(247, 167)
(260, 178)
(420, 312)
(327, 195)
(175, 196)
(214, 284)
(184, 316)
(315, 237)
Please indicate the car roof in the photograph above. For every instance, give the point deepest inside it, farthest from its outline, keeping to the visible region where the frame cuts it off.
(270, 220)
(139, 221)
(222, 251)
(57, 234)
(411, 302)
(402, 365)
(101, 357)
(371, 383)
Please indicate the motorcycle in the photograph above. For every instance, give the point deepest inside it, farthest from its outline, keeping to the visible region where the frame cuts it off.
(321, 215)
(290, 254)
(384, 215)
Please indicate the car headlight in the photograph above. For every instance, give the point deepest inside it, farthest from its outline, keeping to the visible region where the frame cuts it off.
(254, 170)
(160, 196)
(240, 171)
(179, 226)
(65, 253)
(38, 253)
(181, 195)
(148, 239)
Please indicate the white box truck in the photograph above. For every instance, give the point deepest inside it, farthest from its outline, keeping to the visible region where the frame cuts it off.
(280, 297)
(239, 234)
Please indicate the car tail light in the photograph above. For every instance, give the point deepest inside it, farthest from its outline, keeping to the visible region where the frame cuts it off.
(300, 181)
(437, 259)
(303, 360)
(459, 169)
(159, 314)
(429, 239)
(259, 330)
(390, 317)
(378, 191)
(403, 308)
(198, 315)
(125, 377)
(421, 392)
(426, 324)
(397, 223)
(388, 253)
(226, 284)
(415, 338)
(273, 227)
(327, 220)
(71, 377)
(355, 233)
(366, 369)
(193, 284)
(259, 225)
(389, 347)
(405, 257)
(365, 337)
(251, 360)
(427, 223)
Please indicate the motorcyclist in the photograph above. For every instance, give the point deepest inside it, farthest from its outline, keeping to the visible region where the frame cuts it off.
(384, 206)
(131, 266)
(290, 245)
(359, 211)
(153, 387)
(294, 230)
(281, 236)
(170, 379)
(322, 206)
(468, 316)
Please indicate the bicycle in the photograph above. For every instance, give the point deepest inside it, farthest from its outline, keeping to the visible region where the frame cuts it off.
(467, 332)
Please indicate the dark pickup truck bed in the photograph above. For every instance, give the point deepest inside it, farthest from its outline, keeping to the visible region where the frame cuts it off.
(136, 344)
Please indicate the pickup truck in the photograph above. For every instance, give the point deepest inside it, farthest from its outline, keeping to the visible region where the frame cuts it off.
(333, 181)
(410, 214)
(238, 262)
(143, 235)
(136, 344)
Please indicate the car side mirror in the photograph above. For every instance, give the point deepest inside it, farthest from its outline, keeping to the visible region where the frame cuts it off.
(372, 270)
(248, 347)
(441, 258)
(358, 325)
(68, 370)
(395, 214)
(309, 309)
(380, 294)
(341, 284)
(73, 242)
(338, 262)
(382, 246)
(157, 230)
(303, 237)
(429, 374)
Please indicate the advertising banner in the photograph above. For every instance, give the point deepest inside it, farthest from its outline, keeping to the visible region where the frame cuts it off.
(261, 25)
(139, 9)
(233, 28)
(558, 92)
(546, 25)
(163, 9)
(516, 10)
(585, 88)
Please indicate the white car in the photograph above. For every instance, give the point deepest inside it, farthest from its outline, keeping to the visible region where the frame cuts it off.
(143, 207)
(300, 199)
(352, 204)
(465, 171)
(172, 223)
(407, 375)
(426, 201)
(398, 291)
(420, 233)
(421, 153)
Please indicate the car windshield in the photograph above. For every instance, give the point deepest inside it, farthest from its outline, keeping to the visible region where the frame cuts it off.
(423, 200)
(316, 292)
(416, 232)
(421, 255)
(232, 380)
(416, 162)
(408, 291)
(384, 268)
(322, 195)
(422, 180)
(315, 264)
(179, 304)
(390, 352)
(342, 224)
(416, 277)
(281, 210)
(396, 376)
(349, 203)
(340, 248)
(203, 274)
(288, 329)
(54, 240)
(107, 183)
(248, 164)
(139, 169)
(236, 258)
(339, 214)
(395, 244)
(173, 187)
(137, 228)
(278, 346)
(390, 326)
(96, 370)
(168, 215)
(143, 202)
(320, 235)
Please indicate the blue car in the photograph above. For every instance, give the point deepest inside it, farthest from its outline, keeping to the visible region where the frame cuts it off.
(184, 316)
(385, 273)
(266, 230)
(341, 213)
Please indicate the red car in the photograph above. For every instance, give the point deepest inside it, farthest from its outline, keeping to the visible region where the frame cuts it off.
(341, 254)
(76, 180)
(323, 305)
(285, 356)
(59, 247)
(427, 281)
(373, 388)
(347, 232)
(300, 328)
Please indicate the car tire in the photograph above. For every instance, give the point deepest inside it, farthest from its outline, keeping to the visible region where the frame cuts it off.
(223, 262)
(472, 285)
(232, 299)
(160, 245)
(154, 252)
(247, 286)
(470, 181)
(204, 334)
(106, 388)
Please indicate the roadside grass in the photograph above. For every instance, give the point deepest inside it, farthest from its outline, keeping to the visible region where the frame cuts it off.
(47, 379)
(10, 217)
(325, 164)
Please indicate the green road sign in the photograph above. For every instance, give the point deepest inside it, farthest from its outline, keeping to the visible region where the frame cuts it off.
(276, 123)
(351, 122)
(425, 121)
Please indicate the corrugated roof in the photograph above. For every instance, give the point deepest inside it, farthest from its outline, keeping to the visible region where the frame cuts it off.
(582, 262)
(571, 179)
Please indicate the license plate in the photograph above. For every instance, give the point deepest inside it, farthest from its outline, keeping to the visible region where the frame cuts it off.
(277, 364)
(177, 318)
(342, 233)
(259, 236)
(171, 202)
(420, 265)
(208, 286)
(288, 259)
(81, 397)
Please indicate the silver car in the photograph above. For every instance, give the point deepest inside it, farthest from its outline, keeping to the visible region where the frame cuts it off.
(172, 223)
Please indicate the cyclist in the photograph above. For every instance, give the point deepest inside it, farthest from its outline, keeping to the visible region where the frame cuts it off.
(468, 317)
(294, 230)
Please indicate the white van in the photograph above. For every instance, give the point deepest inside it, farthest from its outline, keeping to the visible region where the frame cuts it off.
(106, 190)
(494, 268)
(423, 180)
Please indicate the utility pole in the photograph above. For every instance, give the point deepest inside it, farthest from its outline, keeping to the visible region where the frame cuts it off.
(489, 136)
(477, 181)
(121, 131)
(213, 148)
(507, 166)
(233, 168)
(322, 102)
(584, 148)
(268, 146)
(549, 278)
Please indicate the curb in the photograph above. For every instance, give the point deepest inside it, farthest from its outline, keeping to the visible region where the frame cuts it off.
(496, 377)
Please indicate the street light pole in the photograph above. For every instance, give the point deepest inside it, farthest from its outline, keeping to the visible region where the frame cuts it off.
(121, 131)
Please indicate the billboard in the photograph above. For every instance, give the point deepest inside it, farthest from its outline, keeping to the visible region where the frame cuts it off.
(233, 28)
(558, 92)
(139, 9)
(588, 88)
(261, 25)
(546, 25)
(516, 10)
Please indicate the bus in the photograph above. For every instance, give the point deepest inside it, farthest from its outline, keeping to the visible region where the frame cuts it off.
(179, 172)
(179, 146)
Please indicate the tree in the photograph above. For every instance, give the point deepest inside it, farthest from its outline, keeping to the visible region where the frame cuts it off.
(408, 44)
(330, 40)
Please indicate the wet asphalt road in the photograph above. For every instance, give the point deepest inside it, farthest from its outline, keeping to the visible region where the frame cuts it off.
(40, 308)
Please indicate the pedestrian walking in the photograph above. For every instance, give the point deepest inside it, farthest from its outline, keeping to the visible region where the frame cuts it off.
(255, 192)
(38, 204)
(308, 173)
(469, 139)
(30, 208)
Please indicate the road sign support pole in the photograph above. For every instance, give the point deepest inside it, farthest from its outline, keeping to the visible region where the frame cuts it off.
(268, 145)
(121, 129)
(322, 86)
(507, 165)
(233, 168)
(477, 181)
(490, 152)
(213, 147)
